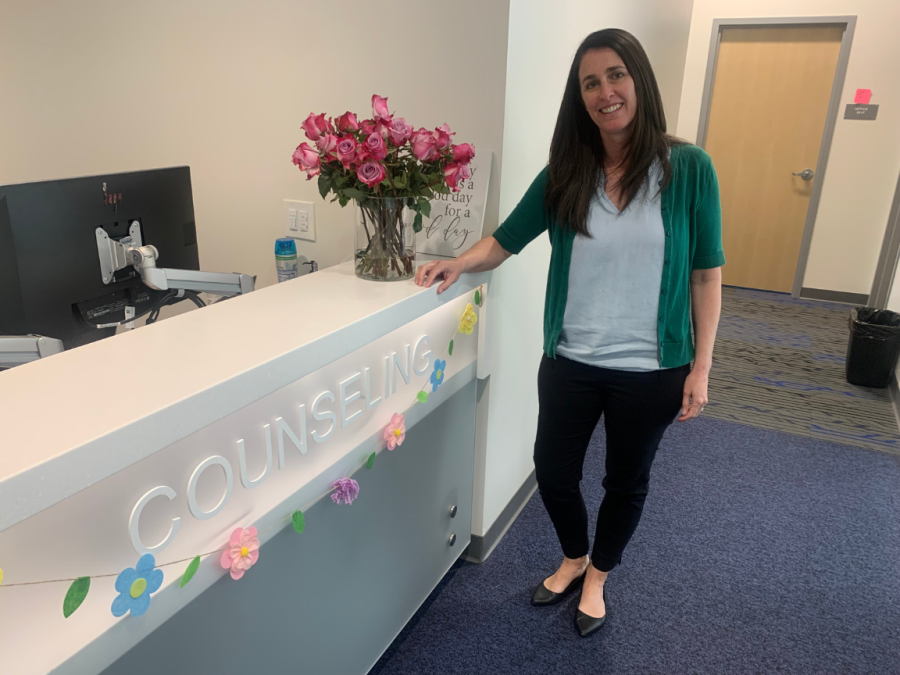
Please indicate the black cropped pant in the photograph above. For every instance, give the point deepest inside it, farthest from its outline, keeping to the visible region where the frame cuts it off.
(638, 408)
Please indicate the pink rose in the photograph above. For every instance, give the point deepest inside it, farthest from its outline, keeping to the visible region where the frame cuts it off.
(442, 136)
(376, 147)
(380, 108)
(307, 159)
(346, 150)
(455, 173)
(463, 153)
(400, 131)
(315, 126)
(371, 173)
(347, 122)
(424, 145)
(326, 143)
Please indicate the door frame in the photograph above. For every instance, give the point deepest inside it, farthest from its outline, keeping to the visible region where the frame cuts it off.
(888, 258)
(834, 104)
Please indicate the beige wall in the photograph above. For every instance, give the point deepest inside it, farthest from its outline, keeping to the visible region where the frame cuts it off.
(98, 86)
(865, 156)
(543, 37)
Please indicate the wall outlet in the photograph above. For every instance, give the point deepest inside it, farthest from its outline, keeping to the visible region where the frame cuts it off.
(301, 219)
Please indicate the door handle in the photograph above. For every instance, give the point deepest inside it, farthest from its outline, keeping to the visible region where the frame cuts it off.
(806, 174)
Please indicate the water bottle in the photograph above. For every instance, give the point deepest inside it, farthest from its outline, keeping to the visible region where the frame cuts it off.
(286, 259)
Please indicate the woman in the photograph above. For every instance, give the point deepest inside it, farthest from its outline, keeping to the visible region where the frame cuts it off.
(635, 225)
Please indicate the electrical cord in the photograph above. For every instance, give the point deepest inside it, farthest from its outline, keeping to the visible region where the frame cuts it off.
(170, 298)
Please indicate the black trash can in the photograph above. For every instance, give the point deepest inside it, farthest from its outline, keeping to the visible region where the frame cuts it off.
(874, 346)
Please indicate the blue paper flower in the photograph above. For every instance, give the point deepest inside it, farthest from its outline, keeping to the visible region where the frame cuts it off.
(437, 377)
(135, 584)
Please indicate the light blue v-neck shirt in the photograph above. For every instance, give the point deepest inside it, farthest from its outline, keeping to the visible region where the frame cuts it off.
(614, 281)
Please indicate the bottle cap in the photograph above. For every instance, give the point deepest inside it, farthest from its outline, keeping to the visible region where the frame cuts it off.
(285, 246)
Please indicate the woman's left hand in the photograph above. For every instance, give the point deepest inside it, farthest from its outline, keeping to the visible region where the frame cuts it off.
(695, 395)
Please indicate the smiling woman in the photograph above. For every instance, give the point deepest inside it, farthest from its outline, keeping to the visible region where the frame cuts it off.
(635, 225)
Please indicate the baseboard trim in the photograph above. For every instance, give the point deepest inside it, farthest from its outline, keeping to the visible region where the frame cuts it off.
(894, 391)
(834, 296)
(481, 547)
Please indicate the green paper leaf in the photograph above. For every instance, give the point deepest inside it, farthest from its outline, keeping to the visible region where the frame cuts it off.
(450, 350)
(324, 185)
(299, 521)
(478, 297)
(190, 571)
(75, 596)
(370, 461)
(422, 396)
(417, 223)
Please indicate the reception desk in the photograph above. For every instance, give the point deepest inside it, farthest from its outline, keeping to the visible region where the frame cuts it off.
(165, 439)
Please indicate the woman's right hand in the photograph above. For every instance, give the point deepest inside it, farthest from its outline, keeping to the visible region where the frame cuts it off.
(448, 270)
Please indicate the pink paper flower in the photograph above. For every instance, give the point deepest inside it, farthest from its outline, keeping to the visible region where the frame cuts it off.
(380, 108)
(463, 153)
(242, 552)
(326, 143)
(371, 173)
(395, 431)
(442, 136)
(307, 159)
(376, 147)
(346, 151)
(315, 126)
(347, 122)
(345, 491)
(400, 131)
(424, 145)
(454, 173)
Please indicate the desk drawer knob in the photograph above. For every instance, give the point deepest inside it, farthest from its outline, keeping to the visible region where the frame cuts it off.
(452, 539)
(453, 511)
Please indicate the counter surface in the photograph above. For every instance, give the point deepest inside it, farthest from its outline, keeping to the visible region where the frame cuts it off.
(72, 420)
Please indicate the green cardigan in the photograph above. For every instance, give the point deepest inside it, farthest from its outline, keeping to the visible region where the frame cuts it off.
(692, 218)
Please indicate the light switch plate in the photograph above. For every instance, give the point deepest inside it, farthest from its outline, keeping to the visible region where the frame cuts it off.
(300, 219)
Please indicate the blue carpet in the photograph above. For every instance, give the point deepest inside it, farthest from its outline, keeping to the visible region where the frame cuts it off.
(760, 552)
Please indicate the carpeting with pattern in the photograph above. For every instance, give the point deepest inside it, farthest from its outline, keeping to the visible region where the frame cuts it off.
(779, 364)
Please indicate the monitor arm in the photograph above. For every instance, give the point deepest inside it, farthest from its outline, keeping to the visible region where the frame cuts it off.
(18, 349)
(129, 250)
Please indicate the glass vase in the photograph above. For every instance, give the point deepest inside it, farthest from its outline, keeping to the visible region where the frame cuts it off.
(385, 241)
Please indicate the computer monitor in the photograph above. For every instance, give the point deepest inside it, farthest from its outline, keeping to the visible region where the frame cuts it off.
(51, 282)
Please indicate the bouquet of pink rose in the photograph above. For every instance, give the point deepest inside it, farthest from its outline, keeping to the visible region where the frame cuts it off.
(389, 169)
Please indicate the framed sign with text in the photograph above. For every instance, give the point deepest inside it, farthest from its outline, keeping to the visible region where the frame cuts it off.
(457, 219)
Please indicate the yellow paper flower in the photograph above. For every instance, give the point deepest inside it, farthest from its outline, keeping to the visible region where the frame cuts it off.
(467, 325)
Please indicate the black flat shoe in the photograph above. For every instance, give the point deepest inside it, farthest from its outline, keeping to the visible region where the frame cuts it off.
(543, 596)
(588, 625)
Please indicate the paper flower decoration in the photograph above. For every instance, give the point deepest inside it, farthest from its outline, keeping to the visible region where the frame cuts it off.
(395, 431)
(242, 552)
(467, 325)
(345, 491)
(437, 376)
(135, 584)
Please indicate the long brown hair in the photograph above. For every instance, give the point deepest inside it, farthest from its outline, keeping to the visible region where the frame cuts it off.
(576, 151)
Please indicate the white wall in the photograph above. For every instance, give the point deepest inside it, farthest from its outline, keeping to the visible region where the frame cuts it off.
(865, 156)
(101, 86)
(543, 37)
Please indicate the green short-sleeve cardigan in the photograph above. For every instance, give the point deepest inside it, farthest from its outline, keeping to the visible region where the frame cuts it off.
(692, 218)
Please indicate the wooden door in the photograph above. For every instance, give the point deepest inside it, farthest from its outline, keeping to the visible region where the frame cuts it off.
(767, 115)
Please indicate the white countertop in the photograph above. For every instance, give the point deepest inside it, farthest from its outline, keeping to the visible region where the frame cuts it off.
(73, 419)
